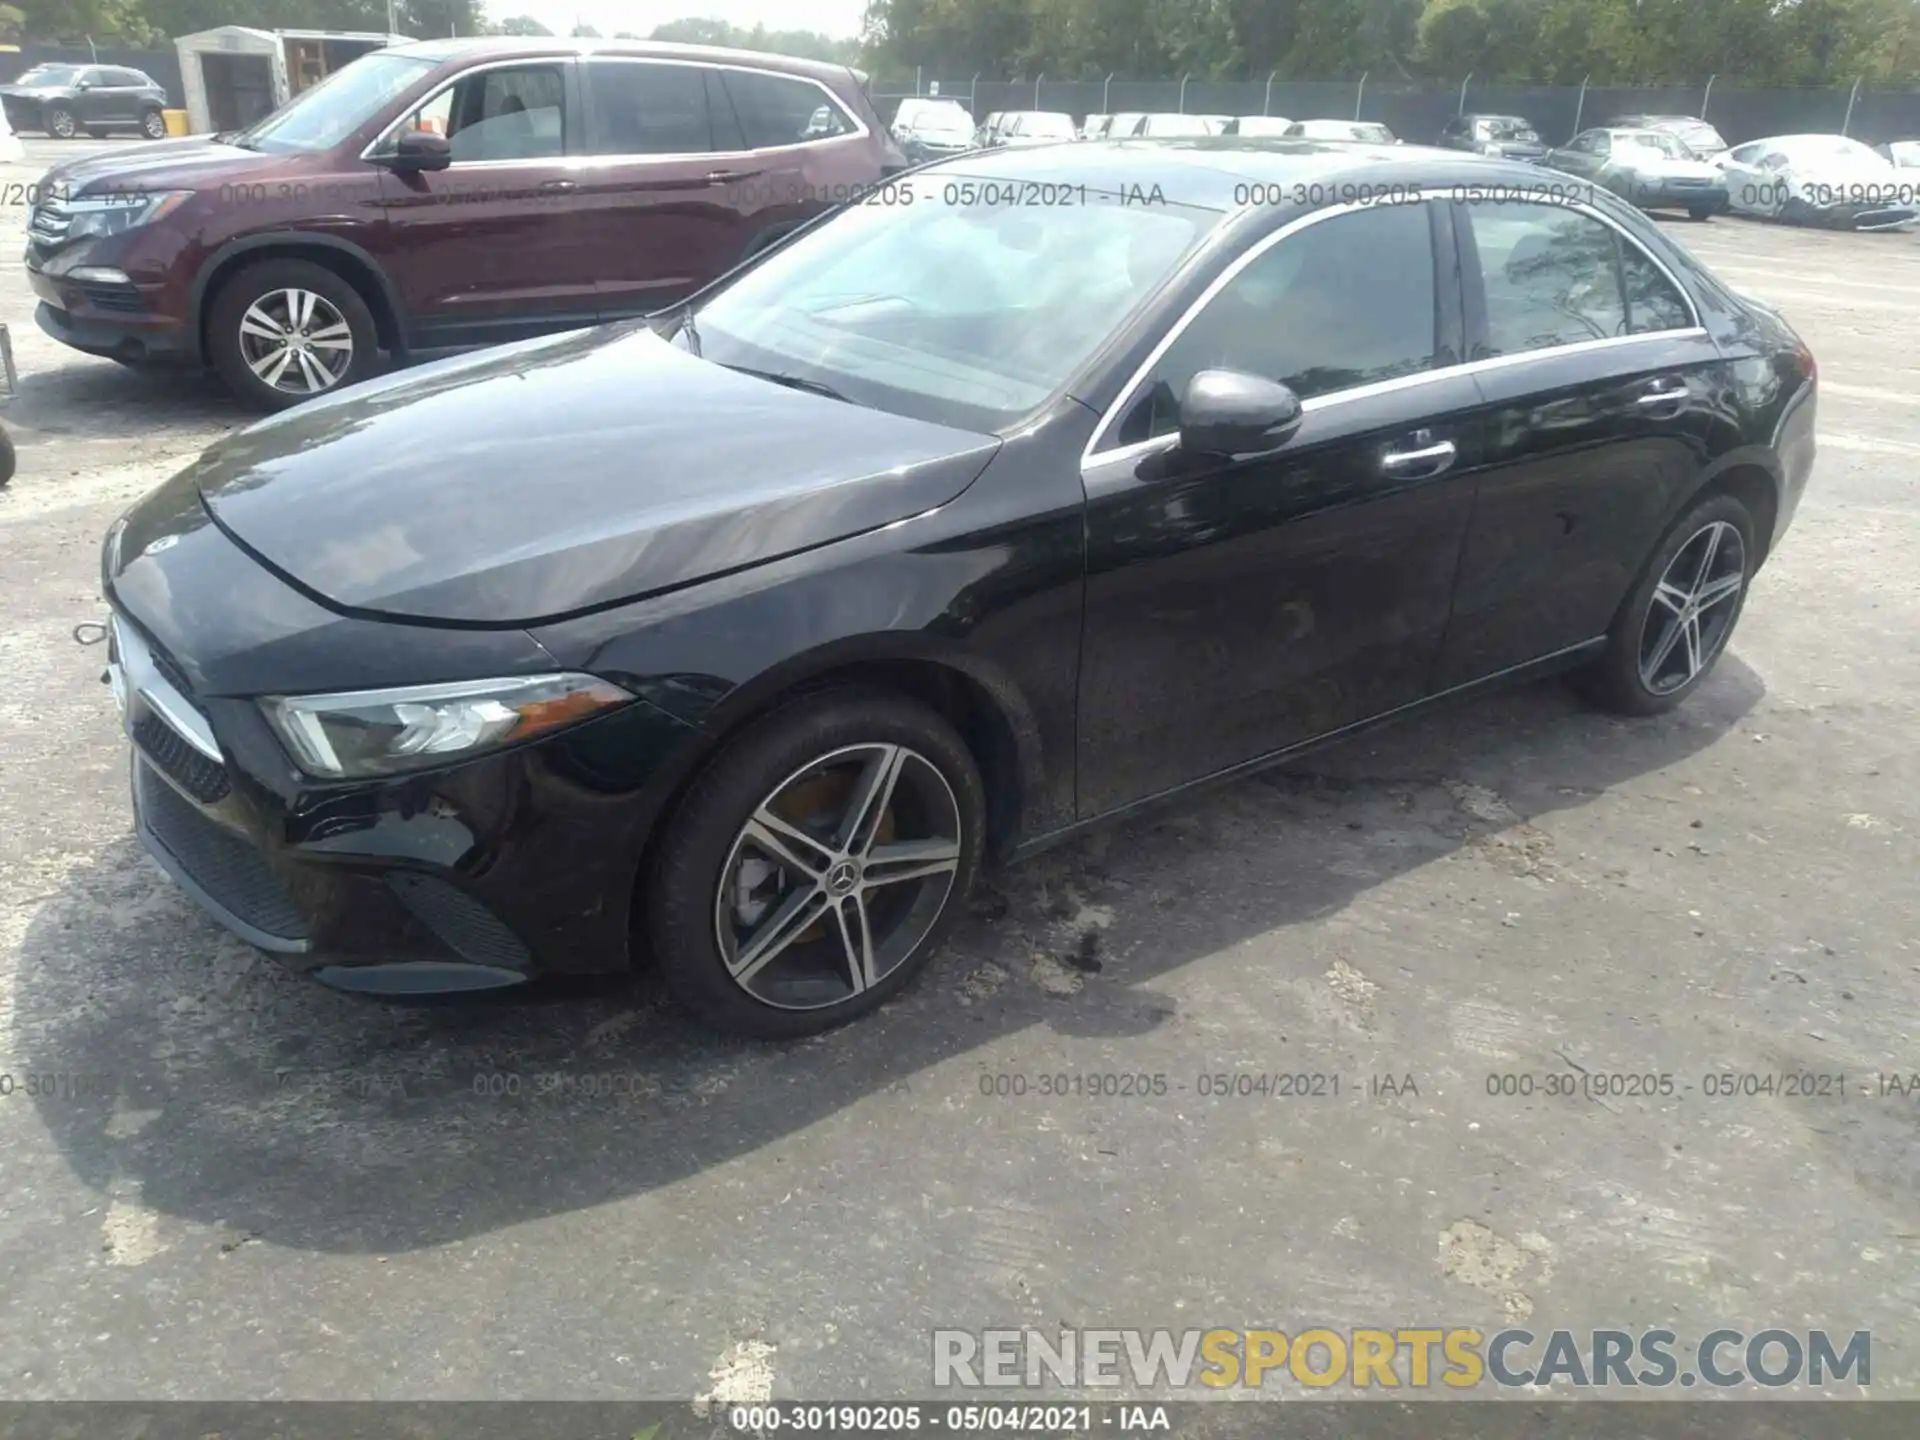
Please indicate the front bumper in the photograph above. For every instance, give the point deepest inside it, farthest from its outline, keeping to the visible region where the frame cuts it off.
(479, 875)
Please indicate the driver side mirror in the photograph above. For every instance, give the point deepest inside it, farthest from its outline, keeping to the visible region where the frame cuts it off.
(1226, 412)
(420, 150)
(83, 84)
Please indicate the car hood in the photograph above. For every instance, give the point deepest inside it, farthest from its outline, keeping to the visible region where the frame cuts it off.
(35, 92)
(543, 479)
(162, 165)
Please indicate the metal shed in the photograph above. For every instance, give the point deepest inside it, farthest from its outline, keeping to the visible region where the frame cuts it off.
(233, 75)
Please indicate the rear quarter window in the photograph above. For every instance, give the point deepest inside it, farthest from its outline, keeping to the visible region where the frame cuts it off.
(777, 110)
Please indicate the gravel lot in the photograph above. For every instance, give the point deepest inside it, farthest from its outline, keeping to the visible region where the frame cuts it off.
(319, 1196)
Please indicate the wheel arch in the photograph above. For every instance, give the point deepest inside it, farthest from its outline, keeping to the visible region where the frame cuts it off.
(982, 703)
(345, 259)
(1752, 476)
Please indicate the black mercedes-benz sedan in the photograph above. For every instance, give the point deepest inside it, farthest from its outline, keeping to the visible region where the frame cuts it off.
(1029, 489)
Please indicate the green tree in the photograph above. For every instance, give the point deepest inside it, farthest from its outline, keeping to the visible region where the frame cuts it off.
(521, 25)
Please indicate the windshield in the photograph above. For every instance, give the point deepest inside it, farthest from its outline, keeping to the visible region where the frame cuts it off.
(1504, 127)
(1178, 125)
(1667, 145)
(965, 314)
(1045, 124)
(49, 75)
(322, 117)
(1373, 134)
(943, 122)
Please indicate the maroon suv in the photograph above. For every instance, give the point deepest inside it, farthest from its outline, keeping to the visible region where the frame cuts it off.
(445, 194)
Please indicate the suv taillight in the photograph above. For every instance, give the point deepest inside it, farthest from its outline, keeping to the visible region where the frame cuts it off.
(1808, 363)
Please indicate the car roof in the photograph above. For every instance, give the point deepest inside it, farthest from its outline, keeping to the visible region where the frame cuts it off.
(489, 47)
(1208, 171)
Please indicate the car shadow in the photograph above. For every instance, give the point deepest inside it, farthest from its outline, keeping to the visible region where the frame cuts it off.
(179, 1065)
(90, 399)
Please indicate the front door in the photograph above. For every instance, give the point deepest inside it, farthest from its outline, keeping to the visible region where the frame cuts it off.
(1239, 607)
(489, 249)
(1589, 438)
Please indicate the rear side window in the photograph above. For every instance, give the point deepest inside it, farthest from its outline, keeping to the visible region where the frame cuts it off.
(1347, 301)
(647, 109)
(1555, 276)
(778, 110)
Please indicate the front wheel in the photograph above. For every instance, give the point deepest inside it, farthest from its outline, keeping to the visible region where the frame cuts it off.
(816, 866)
(1677, 621)
(62, 123)
(1701, 214)
(284, 331)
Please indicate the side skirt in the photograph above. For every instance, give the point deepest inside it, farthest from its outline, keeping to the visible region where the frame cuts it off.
(1559, 661)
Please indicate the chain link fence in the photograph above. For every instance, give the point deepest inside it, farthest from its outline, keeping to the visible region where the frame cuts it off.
(1417, 111)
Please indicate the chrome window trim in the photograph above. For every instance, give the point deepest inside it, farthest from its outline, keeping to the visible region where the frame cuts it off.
(859, 132)
(138, 675)
(1110, 418)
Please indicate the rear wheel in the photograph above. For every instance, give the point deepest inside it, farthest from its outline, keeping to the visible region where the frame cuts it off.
(153, 125)
(1676, 623)
(284, 331)
(62, 123)
(817, 865)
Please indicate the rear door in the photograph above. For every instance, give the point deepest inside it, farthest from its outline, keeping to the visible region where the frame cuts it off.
(692, 165)
(489, 249)
(1238, 607)
(1601, 395)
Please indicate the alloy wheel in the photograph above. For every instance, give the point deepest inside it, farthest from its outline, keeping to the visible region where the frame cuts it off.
(1692, 609)
(61, 124)
(296, 341)
(838, 876)
(154, 125)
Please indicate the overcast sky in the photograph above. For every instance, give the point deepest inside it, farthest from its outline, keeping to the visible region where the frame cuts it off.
(831, 17)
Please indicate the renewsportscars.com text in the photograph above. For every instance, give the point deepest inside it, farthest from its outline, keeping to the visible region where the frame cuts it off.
(1402, 1357)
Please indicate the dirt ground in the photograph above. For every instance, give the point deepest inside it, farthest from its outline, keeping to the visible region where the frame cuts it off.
(584, 1198)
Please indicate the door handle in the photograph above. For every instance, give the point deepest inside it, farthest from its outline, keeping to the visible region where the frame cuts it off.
(558, 187)
(1427, 460)
(1664, 395)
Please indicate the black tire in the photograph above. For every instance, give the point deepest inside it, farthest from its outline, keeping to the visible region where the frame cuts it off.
(244, 287)
(6, 457)
(1615, 680)
(61, 122)
(153, 124)
(682, 894)
(1701, 214)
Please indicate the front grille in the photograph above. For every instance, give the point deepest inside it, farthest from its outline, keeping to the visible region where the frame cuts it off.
(467, 927)
(233, 875)
(49, 221)
(206, 780)
(171, 672)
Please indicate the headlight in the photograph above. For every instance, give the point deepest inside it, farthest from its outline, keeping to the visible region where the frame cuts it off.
(100, 215)
(382, 732)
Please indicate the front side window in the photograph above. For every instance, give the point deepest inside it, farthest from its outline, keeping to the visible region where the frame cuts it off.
(320, 118)
(777, 110)
(970, 315)
(647, 109)
(1554, 276)
(1347, 301)
(513, 113)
